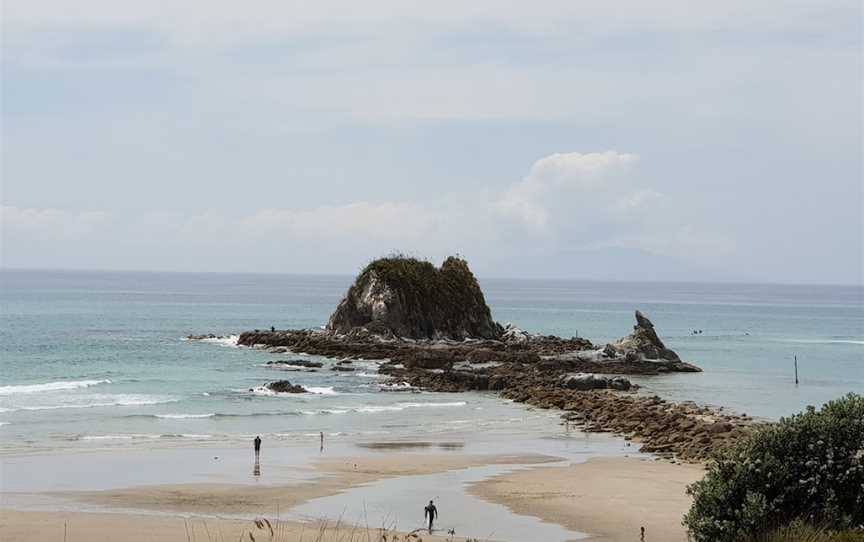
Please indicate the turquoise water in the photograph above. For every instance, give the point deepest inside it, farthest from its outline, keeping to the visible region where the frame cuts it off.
(96, 359)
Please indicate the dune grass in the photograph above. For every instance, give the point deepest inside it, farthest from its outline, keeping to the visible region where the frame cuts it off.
(800, 532)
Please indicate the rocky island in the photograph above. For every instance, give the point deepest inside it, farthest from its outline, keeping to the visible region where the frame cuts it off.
(430, 328)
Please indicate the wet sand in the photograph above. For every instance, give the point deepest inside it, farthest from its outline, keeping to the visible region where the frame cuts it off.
(611, 498)
(336, 475)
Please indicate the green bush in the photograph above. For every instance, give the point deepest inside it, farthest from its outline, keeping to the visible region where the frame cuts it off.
(808, 467)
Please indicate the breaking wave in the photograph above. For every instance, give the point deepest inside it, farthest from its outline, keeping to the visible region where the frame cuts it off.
(98, 401)
(50, 386)
(228, 340)
(372, 409)
(183, 416)
(823, 341)
(133, 436)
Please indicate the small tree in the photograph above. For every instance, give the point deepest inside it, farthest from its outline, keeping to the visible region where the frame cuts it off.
(808, 467)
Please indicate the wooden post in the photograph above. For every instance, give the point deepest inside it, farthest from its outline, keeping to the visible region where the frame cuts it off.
(796, 370)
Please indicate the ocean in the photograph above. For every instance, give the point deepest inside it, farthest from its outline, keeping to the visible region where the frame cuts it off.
(96, 360)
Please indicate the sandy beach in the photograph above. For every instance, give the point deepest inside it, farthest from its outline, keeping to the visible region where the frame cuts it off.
(611, 498)
(583, 498)
(335, 475)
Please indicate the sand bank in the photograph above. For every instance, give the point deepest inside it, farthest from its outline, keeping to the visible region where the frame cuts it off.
(608, 497)
(336, 474)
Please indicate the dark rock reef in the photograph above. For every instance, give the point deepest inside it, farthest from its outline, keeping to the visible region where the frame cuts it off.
(431, 329)
(284, 386)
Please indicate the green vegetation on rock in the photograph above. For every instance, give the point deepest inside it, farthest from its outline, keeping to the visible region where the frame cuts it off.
(808, 468)
(413, 298)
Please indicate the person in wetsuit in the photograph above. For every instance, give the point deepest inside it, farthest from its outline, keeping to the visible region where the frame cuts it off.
(257, 442)
(431, 513)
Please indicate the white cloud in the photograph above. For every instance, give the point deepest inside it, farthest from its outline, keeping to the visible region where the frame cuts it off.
(564, 176)
(50, 224)
(566, 201)
(388, 221)
(209, 22)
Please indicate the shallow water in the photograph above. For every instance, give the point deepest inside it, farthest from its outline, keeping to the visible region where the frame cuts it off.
(95, 360)
(397, 504)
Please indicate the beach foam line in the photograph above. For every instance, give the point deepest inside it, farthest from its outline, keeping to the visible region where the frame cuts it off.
(822, 341)
(215, 415)
(50, 386)
(117, 437)
(374, 409)
(120, 400)
(184, 416)
(142, 436)
(267, 392)
(3, 423)
(323, 390)
(229, 341)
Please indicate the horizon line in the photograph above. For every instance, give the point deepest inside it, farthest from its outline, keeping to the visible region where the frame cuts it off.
(325, 274)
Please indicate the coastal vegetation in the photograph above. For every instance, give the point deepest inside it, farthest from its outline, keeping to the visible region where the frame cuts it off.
(806, 470)
(412, 298)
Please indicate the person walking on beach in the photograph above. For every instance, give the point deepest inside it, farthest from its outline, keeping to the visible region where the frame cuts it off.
(431, 513)
(257, 447)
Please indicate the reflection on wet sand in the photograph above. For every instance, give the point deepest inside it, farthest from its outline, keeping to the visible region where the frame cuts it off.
(403, 445)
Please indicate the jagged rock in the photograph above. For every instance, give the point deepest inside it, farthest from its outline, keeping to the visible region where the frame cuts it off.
(514, 335)
(283, 386)
(409, 298)
(642, 344)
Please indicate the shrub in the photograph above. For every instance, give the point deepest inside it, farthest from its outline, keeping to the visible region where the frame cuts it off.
(807, 467)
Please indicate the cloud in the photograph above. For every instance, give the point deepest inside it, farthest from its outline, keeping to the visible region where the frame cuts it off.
(209, 22)
(567, 201)
(50, 224)
(386, 222)
(570, 176)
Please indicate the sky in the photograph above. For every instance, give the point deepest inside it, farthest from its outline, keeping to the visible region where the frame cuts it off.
(628, 140)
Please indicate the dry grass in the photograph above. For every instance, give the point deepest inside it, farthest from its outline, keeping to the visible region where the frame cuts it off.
(799, 532)
(264, 530)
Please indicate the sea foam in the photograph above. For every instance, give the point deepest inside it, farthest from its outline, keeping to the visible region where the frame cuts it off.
(184, 416)
(50, 386)
(96, 401)
(229, 340)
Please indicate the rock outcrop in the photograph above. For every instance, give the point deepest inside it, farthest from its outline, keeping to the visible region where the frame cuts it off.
(589, 381)
(431, 329)
(642, 344)
(283, 386)
(410, 298)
